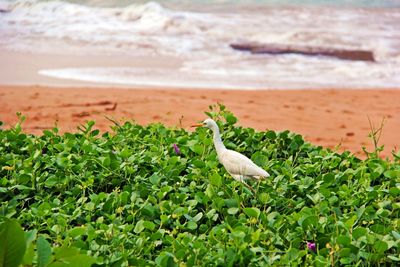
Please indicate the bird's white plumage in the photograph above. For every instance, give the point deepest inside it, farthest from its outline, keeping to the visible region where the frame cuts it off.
(237, 165)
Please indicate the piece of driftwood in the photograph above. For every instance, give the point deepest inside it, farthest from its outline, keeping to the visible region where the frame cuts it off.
(276, 49)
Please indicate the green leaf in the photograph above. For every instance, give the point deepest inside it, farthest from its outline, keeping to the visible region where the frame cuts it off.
(396, 235)
(231, 203)
(164, 218)
(192, 225)
(69, 256)
(344, 240)
(165, 259)
(309, 221)
(393, 257)
(328, 178)
(359, 232)
(52, 181)
(154, 179)
(349, 223)
(239, 234)
(379, 228)
(252, 212)
(394, 191)
(12, 243)
(64, 252)
(48, 133)
(198, 217)
(293, 254)
(198, 163)
(76, 260)
(381, 246)
(139, 227)
(230, 119)
(270, 134)
(198, 149)
(29, 255)
(321, 261)
(263, 197)
(43, 251)
(30, 236)
(392, 174)
(149, 225)
(233, 211)
(77, 231)
(259, 159)
(125, 153)
(215, 179)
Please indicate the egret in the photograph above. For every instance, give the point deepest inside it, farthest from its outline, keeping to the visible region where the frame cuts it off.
(237, 165)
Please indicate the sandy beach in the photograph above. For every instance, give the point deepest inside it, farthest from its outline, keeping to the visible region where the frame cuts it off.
(324, 117)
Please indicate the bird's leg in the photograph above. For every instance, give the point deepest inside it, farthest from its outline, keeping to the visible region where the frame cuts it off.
(249, 187)
(258, 185)
(242, 179)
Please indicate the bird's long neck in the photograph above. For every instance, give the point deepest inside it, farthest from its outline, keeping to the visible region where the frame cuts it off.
(219, 146)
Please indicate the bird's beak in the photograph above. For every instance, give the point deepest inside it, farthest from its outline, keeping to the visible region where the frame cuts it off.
(196, 125)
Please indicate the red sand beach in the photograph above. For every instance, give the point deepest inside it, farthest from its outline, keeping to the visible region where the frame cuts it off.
(324, 117)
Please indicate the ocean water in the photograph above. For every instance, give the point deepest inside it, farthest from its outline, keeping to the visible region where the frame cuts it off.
(198, 34)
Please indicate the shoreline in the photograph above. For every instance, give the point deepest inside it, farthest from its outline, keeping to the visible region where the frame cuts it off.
(57, 70)
(327, 117)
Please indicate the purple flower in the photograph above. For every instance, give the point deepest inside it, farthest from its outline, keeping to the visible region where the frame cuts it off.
(176, 149)
(311, 246)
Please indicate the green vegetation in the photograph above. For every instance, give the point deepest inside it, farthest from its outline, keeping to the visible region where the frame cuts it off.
(131, 197)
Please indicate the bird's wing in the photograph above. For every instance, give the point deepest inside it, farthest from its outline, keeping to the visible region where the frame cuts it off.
(238, 164)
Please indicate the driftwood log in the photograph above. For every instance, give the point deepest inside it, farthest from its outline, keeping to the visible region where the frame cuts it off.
(276, 49)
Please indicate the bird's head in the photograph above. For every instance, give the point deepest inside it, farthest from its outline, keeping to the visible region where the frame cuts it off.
(208, 123)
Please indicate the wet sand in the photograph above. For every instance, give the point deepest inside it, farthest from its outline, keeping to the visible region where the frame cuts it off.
(329, 118)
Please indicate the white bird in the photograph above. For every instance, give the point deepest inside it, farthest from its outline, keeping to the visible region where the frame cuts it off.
(237, 165)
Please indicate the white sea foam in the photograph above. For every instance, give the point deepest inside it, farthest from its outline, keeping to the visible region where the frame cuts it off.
(201, 41)
(338, 76)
